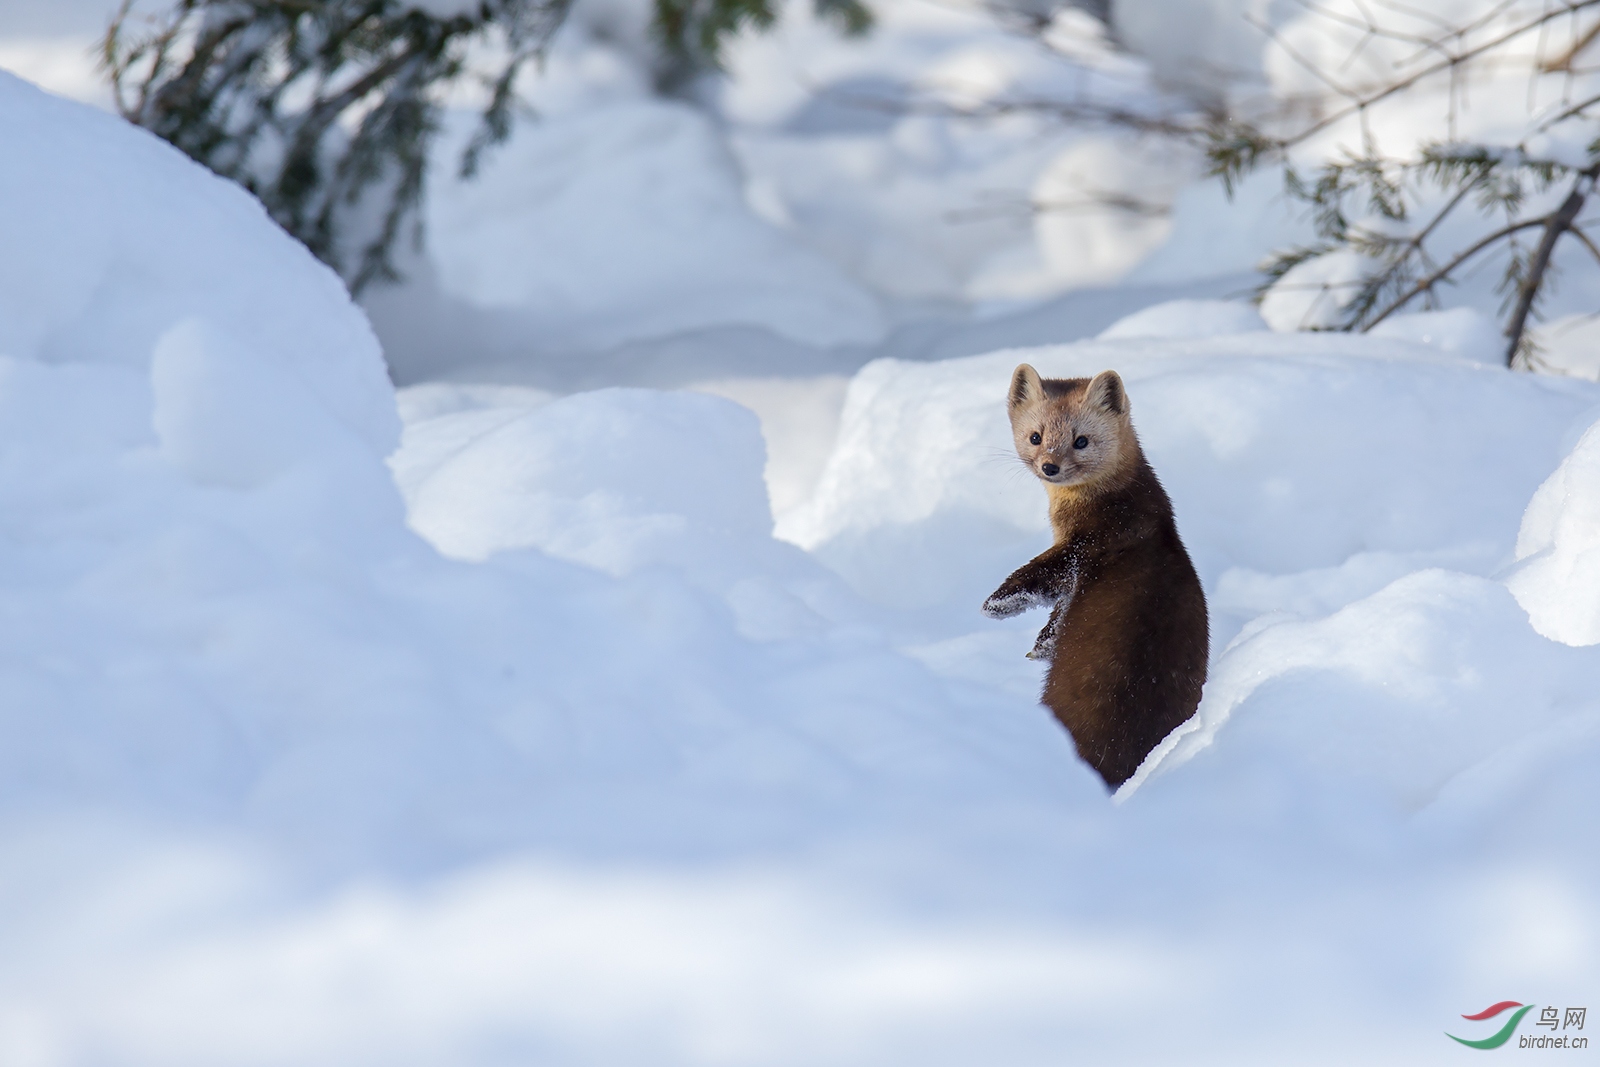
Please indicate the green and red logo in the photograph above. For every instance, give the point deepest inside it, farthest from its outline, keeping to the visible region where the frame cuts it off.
(1550, 1018)
(1501, 1036)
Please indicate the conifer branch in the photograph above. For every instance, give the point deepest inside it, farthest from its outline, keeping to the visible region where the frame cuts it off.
(1555, 224)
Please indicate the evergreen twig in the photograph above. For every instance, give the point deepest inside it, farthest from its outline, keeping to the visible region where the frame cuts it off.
(1364, 203)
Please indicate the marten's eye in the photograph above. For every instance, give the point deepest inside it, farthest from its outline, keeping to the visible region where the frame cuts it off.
(1034, 438)
(1080, 442)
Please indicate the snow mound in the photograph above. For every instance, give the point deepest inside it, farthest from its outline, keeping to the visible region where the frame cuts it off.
(228, 417)
(593, 477)
(195, 420)
(95, 272)
(1402, 690)
(624, 222)
(1464, 333)
(1558, 580)
(1187, 318)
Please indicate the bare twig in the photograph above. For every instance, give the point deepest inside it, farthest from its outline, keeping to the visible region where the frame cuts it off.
(1583, 239)
(1564, 62)
(1570, 112)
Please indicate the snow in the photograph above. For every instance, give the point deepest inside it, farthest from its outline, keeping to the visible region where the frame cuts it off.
(1394, 688)
(1463, 332)
(654, 466)
(498, 722)
(128, 260)
(1214, 233)
(1187, 318)
(636, 205)
(863, 143)
(1569, 344)
(1558, 549)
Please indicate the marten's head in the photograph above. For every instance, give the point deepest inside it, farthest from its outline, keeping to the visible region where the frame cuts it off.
(1072, 431)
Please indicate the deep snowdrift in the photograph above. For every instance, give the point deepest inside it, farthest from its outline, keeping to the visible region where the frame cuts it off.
(283, 784)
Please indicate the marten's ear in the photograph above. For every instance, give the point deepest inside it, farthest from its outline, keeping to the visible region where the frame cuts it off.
(1106, 392)
(1027, 388)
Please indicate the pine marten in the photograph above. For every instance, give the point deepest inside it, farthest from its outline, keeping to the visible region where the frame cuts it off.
(1128, 639)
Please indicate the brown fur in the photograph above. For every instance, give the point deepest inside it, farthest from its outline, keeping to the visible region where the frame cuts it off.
(1127, 638)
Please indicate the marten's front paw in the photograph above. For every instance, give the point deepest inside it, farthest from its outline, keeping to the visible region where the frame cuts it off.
(1013, 598)
(1044, 647)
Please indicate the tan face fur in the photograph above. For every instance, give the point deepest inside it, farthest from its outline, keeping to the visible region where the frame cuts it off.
(1050, 418)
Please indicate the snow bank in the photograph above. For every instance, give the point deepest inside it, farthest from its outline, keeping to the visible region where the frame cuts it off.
(1404, 689)
(1187, 318)
(1558, 580)
(98, 270)
(646, 466)
(1463, 332)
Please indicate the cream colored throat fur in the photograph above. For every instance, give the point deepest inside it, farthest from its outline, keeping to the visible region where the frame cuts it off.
(1067, 503)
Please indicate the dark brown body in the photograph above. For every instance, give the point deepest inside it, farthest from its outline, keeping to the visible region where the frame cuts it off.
(1128, 637)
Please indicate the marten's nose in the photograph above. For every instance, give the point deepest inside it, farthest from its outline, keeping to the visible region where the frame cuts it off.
(1050, 470)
